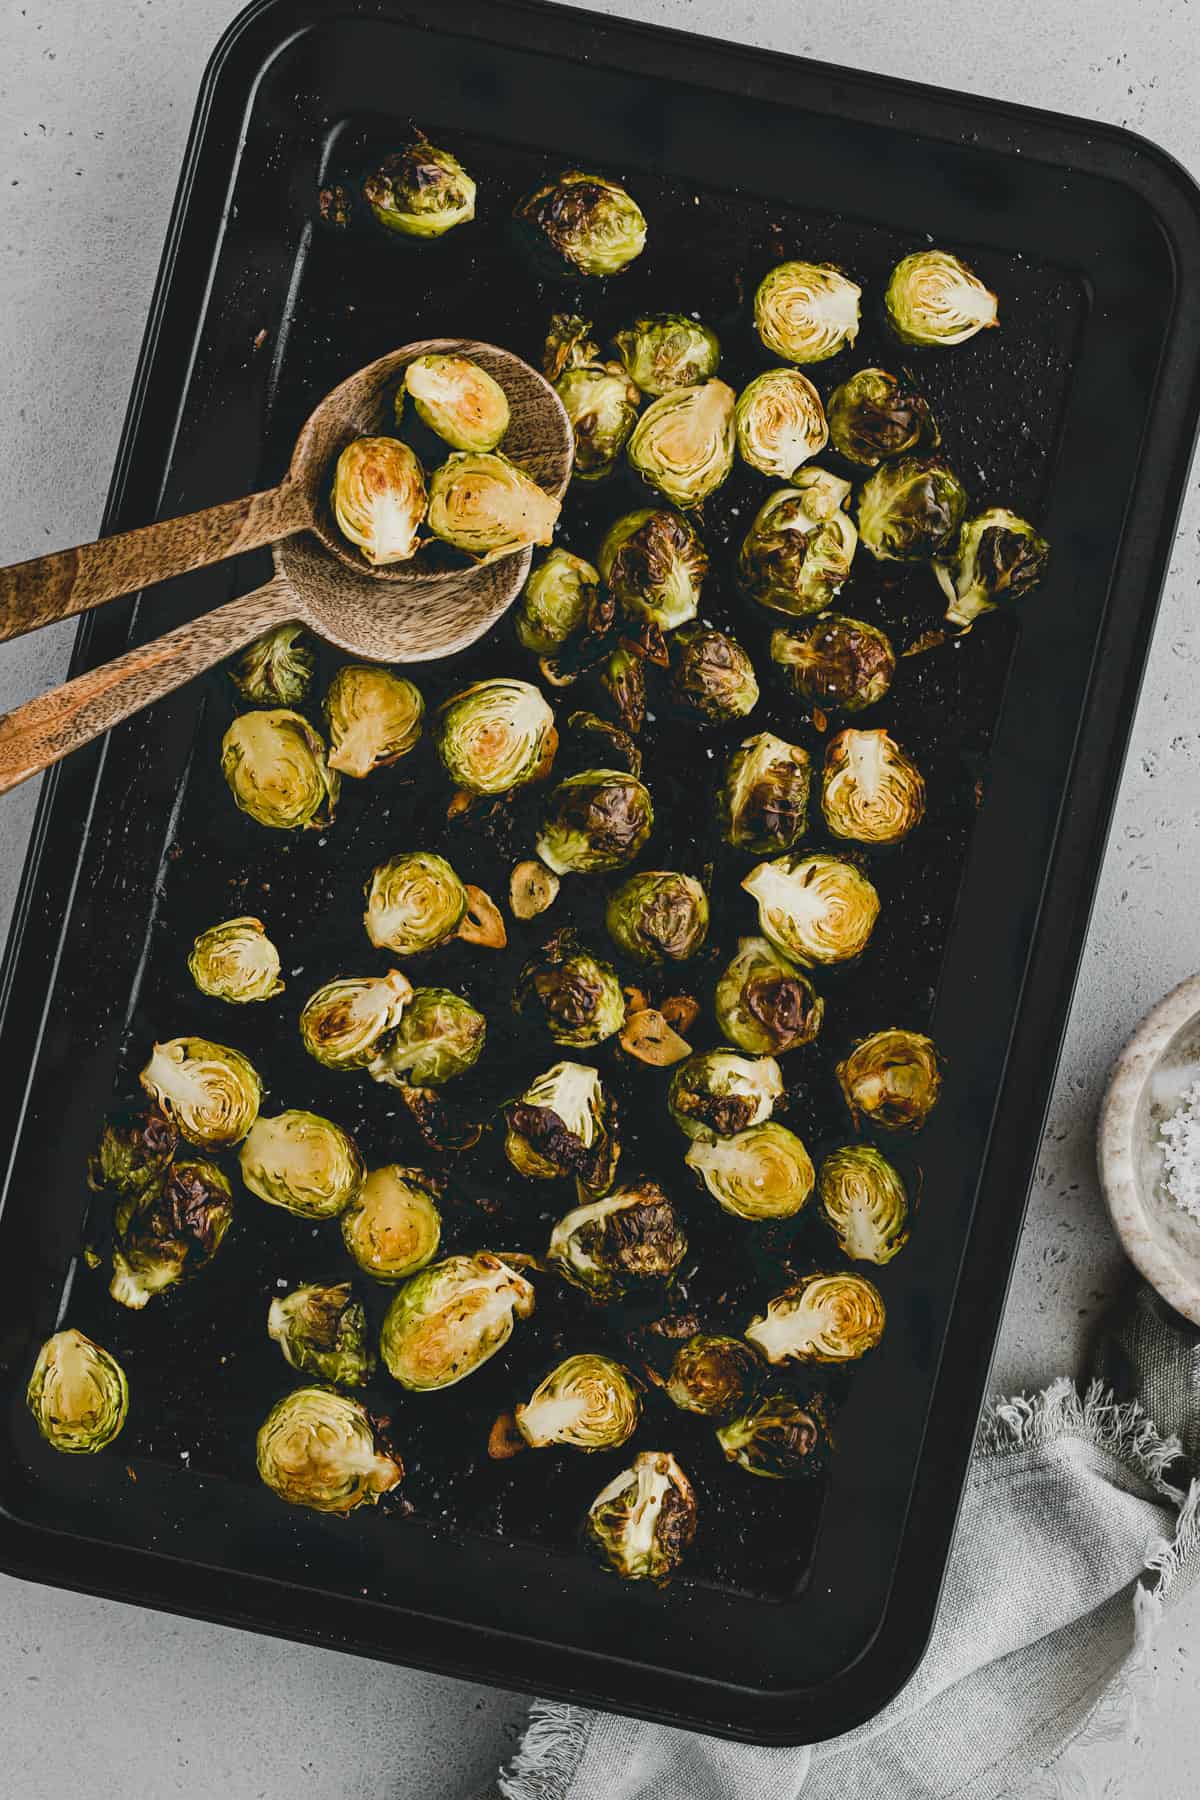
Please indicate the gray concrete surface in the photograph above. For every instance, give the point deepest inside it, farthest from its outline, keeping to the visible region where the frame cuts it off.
(95, 1698)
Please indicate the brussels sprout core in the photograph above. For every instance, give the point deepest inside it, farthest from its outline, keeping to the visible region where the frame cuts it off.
(633, 1235)
(496, 735)
(599, 819)
(823, 1318)
(870, 791)
(933, 298)
(873, 416)
(379, 498)
(374, 718)
(276, 767)
(712, 1375)
(584, 223)
(763, 800)
(713, 676)
(302, 1162)
(762, 1173)
(891, 1079)
(654, 564)
(911, 509)
(211, 1092)
(806, 312)
(236, 961)
(440, 1035)
(718, 1093)
(318, 1449)
(816, 909)
(447, 1321)
(777, 1437)
(420, 191)
(277, 668)
(579, 996)
(488, 507)
(322, 1331)
(764, 1003)
(392, 1226)
(667, 351)
(602, 405)
(645, 1519)
(556, 602)
(78, 1394)
(465, 405)
(683, 443)
(588, 1402)
(564, 1124)
(799, 549)
(864, 1200)
(414, 903)
(836, 661)
(780, 422)
(999, 556)
(657, 915)
(344, 1022)
(169, 1232)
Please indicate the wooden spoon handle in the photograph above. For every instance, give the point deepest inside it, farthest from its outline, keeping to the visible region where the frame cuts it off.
(44, 730)
(70, 581)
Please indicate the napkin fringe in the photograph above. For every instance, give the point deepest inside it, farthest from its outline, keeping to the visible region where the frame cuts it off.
(550, 1752)
(1121, 1428)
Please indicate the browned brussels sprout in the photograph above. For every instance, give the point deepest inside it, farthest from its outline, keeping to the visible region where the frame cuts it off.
(821, 1318)
(496, 735)
(276, 669)
(133, 1153)
(322, 1331)
(420, 191)
(344, 1023)
(780, 423)
(596, 820)
(763, 800)
(578, 996)
(623, 678)
(78, 1394)
(683, 444)
(582, 224)
(816, 909)
(462, 403)
(318, 1448)
(588, 1402)
(836, 661)
(392, 1226)
(210, 1091)
(658, 914)
(806, 312)
(778, 1437)
(870, 790)
(891, 1080)
(379, 498)
(168, 1232)
(934, 299)
(667, 351)
(713, 678)
(764, 1003)
(569, 345)
(450, 1319)
(764, 1172)
(557, 602)
(798, 551)
(633, 1234)
(277, 770)
(374, 718)
(654, 564)
(998, 557)
(643, 1522)
(602, 405)
(864, 1200)
(440, 1035)
(910, 510)
(414, 903)
(874, 415)
(236, 961)
(717, 1093)
(712, 1375)
(302, 1162)
(485, 505)
(564, 1124)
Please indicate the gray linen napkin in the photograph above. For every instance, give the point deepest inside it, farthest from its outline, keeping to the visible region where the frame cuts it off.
(1080, 1521)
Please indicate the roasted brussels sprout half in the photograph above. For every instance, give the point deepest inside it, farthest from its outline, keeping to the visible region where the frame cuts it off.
(633, 1234)
(420, 191)
(440, 1035)
(276, 669)
(578, 995)
(496, 735)
(874, 415)
(602, 405)
(379, 498)
(823, 1319)
(654, 564)
(667, 351)
(344, 1023)
(780, 422)
(623, 678)
(778, 1437)
(870, 790)
(658, 915)
(816, 909)
(317, 1448)
(933, 299)
(582, 224)
(462, 403)
(168, 1232)
(806, 312)
(891, 1080)
(447, 1321)
(798, 551)
(683, 443)
(836, 661)
(596, 820)
(482, 504)
(78, 1394)
(865, 1201)
(414, 903)
(374, 718)
(588, 1402)
(302, 1162)
(644, 1521)
(763, 800)
(764, 1003)
(392, 1226)
(569, 344)
(713, 678)
(133, 1152)
(236, 961)
(556, 602)
(322, 1331)
(712, 1375)
(761, 1173)
(212, 1093)
(277, 770)
(998, 557)
(564, 1124)
(910, 510)
(717, 1093)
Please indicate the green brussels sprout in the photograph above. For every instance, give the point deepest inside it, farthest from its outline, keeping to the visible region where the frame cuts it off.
(717, 1093)
(712, 1375)
(420, 191)
(236, 961)
(623, 678)
(911, 509)
(683, 443)
(588, 1402)
(392, 1226)
(482, 504)
(276, 669)
(440, 1035)
(821, 1318)
(644, 1520)
(447, 1321)
(374, 718)
(667, 351)
(633, 1234)
(874, 415)
(806, 312)
(798, 552)
(322, 1331)
(317, 1448)
(998, 556)
(654, 564)
(870, 790)
(414, 903)
(836, 661)
(133, 1153)
(556, 602)
(276, 767)
(764, 1003)
(713, 677)
(763, 801)
(579, 996)
(344, 1023)
(564, 1124)
(864, 1199)
(582, 224)
(891, 1080)
(462, 403)
(778, 1437)
(379, 499)
(602, 405)
(302, 1162)
(658, 915)
(596, 820)
(762, 1173)
(569, 345)
(78, 1394)
(815, 909)
(168, 1232)
(934, 299)
(496, 735)
(211, 1092)
(780, 422)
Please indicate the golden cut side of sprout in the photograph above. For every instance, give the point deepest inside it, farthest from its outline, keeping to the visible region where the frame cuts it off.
(212, 1093)
(496, 735)
(485, 505)
(343, 1024)
(393, 1226)
(414, 903)
(683, 444)
(462, 403)
(236, 961)
(302, 1162)
(815, 909)
(934, 299)
(317, 1448)
(891, 1079)
(379, 498)
(864, 1201)
(871, 792)
(780, 423)
(77, 1393)
(587, 1402)
(448, 1320)
(805, 312)
(374, 718)
(764, 1172)
(821, 1319)
(278, 771)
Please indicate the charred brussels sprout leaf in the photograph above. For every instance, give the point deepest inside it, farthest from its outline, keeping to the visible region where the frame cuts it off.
(713, 677)
(440, 1035)
(654, 564)
(344, 1022)
(806, 312)
(798, 551)
(276, 767)
(870, 791)
(815, 909)
(718, 1093)
(836, 661)
(496, 735)
(302, 1162)
(998, 557)
(874, 415)
(569, 345)
(447, 1321)
(623, 678)
(133, 1153)
(317, 1448)
(644, 1521)
(169, 1232)
(461, 402)
(763, 802)
(891, 1080)
(583, 224)
(933, 299)
(764, 1003)
(420, 191)
(78, 1394)
(379, 499)
(212, 1093)
(276, 669)
(596, 820)
(588, 1402)
(482, 504)
(864, 1200)
(322, 1331)
(236, 961)
(602, 405)
(392, 1226)
(667, 351)
(374, 718)
(632, 1235)
(556, 603)
(683, 443)
(414, 903)
(778, 1437)
(658, 915)
(822, 1318)
(780, 423)
(761, 1173)
(579, 996)
(564, 1124)
(712, 1375)
(910, 510)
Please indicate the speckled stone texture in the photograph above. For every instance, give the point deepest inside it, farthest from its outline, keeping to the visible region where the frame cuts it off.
(96, 1699)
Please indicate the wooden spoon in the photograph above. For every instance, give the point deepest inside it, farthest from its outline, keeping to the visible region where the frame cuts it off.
(407, 612)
